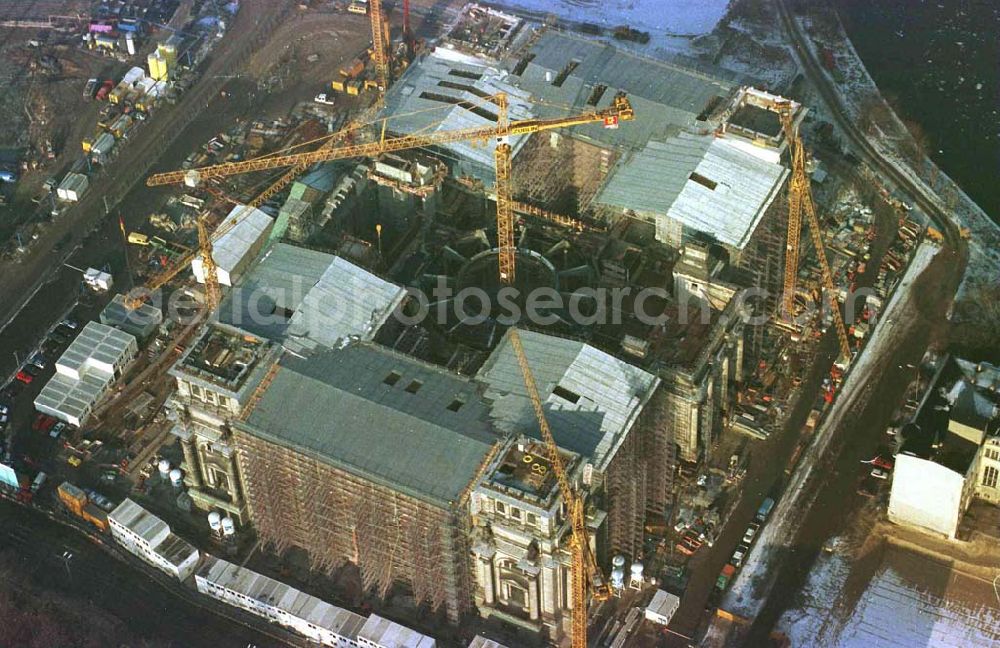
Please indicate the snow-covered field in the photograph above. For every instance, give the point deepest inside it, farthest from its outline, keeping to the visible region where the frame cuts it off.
(674, 17)
(670, 23)
(908, 602)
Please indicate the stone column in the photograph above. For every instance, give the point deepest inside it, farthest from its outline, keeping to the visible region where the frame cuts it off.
(533, 598)
(192, 463)
(486, 567)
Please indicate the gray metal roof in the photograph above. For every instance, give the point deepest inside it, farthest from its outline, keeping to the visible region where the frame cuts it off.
(96, 345)
(417, 102)
(281, 596)
(384, 632)
(71, 398)
(306, 299)
(591, 398)
(140, 522)
(229, 248)
(666, 96)
(84, 371)
(732, 191)
(480, 641)
(425, 434)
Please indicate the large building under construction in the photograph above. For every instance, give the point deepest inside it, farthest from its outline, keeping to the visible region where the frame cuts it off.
(410, 449)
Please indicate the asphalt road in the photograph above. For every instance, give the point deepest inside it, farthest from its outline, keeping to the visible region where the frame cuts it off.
(147, 608)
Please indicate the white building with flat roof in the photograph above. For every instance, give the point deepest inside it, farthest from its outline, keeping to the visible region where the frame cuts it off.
(662, 608)
(277, 602)
(149, 538)
(235, 244)
(84, 373)
(379, 632)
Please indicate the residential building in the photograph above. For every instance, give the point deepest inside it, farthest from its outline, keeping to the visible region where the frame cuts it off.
(950, 454)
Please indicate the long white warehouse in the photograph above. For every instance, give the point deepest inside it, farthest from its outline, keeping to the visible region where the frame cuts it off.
(279, 603)
(148, 537)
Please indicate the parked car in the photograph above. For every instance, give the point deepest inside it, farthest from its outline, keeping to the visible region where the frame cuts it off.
(66, 332)
(884, 464)
(70, 324)
(751, 533)
(878, 473)
(24, 377)
(324, 99)
(740, 555)
(4, 409)
(38, 360)
(57, 429)
(74, 461)
(31, 370)
(12, 389)
(43, 423)
(59, 339)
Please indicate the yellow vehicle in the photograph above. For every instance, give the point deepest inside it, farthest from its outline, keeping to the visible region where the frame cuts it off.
(74, 461)
(138, 238)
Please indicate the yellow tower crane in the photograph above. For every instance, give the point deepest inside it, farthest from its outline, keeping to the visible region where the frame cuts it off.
(380, 44)
(800, 202)
(212, 291)
(586, 576)
(501, 132)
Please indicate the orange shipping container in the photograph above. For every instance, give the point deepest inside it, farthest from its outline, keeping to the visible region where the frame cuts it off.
(95, 516)
(74, 498)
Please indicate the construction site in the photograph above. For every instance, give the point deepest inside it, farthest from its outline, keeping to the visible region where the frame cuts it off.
(507, 330)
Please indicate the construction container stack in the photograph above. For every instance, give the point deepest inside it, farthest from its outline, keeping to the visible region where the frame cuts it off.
(77, 503)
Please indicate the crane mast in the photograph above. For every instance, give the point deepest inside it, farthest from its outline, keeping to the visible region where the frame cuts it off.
(585, 573)
(504, 192)
(800, 202)
(380, 45)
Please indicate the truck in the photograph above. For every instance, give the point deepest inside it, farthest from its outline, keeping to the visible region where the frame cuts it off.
(725, 576)
(89, 88)
(765, 509)
(38, 483)
(102, 92)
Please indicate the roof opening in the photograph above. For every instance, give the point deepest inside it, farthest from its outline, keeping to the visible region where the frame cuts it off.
(596, 95)
(283, 313)
(464, 87)
(456, 405)
(703, 181)
(566, 394)
(710, 107)
(523, 64)
(414, 386)
(468, 105)
(564, 74)
(465, 74)
(392, 378)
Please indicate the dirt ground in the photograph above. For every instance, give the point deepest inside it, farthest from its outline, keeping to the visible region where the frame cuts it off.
(39, 105)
